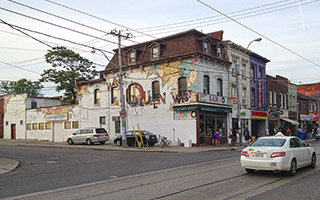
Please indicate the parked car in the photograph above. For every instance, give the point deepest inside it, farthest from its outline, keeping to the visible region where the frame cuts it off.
(131, 140)
(89, 136)
(278, 153)
(317, 136)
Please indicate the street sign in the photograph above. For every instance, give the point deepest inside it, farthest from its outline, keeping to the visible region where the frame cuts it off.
(123, 113)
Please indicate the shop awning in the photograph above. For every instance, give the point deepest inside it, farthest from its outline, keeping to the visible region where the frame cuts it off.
(290, 121)
(184, 108)
(215, 109)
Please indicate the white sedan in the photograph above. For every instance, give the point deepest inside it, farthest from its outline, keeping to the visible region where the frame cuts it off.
(278, 153)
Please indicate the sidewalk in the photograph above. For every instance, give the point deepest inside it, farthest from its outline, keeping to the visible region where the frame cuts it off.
(7, 165)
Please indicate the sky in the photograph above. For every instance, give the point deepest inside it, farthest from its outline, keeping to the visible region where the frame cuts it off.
(290, 31)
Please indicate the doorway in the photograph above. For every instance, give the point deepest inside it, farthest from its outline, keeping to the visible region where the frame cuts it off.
(13, 131)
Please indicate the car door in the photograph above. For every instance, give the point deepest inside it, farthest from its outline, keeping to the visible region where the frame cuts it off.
(82, 137)
(76, 136)
(296, 151)
(130, 138)
(305, 153)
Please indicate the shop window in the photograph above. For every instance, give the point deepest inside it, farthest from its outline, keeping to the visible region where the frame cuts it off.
(102, 120)
(219, 87)
(182, 86)
(67, 125)
(206, 84)
(29, 126)
(48, 126)
(96, 97)
(75, 124)
(41, 126)
(155, 90)
(34, 126)
(114, 95)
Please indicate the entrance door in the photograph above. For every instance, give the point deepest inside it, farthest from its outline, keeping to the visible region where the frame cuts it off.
(58, 132)
(13, 131)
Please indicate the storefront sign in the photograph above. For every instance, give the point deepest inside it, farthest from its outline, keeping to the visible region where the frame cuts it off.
(259, 115)
(213, 99)
(306, 118)
(57, 117)
(259, 92)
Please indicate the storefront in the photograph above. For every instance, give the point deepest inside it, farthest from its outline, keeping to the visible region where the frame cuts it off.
(258, 123)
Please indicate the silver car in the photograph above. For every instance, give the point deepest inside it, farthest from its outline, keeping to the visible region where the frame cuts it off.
(89, 136)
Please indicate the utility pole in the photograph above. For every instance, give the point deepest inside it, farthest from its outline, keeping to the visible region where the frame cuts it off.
(123, 113)
(318, 105)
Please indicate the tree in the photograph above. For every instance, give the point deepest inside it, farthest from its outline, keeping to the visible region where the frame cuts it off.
(31, 88)
(67, 67)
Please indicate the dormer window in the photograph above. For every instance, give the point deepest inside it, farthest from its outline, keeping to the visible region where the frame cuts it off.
(155, 52)
(206, 47)
(132, 57)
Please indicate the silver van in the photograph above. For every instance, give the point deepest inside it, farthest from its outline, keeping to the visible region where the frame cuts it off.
(89, 136)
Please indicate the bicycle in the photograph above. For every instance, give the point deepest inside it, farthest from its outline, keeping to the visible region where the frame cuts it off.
(164, 142)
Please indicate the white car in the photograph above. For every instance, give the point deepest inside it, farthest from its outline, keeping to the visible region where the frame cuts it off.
(278, 153)
(89, 136)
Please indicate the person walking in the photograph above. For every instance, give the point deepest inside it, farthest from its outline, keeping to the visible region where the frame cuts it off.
(213, 138)
(217, 138)
(234, 137)
(247, 136)
(230, 137)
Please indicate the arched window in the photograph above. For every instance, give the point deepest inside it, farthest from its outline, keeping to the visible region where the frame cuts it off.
(182, 86)
(114, 94)
(96, 97)
(155, 90)
(206, 84)
(219, 87)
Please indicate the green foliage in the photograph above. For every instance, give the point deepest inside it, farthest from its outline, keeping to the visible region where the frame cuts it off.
(271, 128)
(31, 88)
(67, 67)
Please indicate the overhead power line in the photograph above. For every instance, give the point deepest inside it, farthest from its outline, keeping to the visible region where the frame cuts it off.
(256, 32)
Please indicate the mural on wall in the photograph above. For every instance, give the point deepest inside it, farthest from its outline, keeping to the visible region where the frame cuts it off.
(82, 90)
(169, 74)
(7, 98)
(56, 113)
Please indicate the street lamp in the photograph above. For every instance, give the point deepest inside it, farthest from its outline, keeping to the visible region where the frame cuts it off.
(238, 96)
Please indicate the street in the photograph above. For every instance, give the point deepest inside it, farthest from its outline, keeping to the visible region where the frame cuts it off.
(52, 173)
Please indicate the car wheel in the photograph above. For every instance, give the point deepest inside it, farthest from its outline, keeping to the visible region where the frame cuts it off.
(88, 142)
(313, 161)
(118, 143)
(293, 168)
(249, 171)
(103, 142)
(70, 142)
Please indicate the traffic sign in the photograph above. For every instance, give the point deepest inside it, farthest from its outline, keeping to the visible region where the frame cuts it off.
(123, 113)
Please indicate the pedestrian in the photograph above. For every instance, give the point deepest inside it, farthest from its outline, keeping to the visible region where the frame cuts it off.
(217, 138)
(247, 136)
(289, 132)
(213, 137)
(230, 137)
(301, 134)
(234, 137)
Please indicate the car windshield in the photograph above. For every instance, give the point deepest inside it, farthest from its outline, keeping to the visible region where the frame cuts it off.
(268, 142)
(100, 130)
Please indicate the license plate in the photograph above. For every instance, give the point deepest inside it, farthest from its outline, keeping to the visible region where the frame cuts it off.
(258, 155)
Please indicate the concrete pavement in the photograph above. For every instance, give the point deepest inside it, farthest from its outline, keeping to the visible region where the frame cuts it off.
(7, 165)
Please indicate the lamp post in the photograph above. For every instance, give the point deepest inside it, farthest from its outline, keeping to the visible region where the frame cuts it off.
(238, 93)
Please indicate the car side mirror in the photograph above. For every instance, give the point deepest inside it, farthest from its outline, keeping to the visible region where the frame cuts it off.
(74, 134)
(308, 145)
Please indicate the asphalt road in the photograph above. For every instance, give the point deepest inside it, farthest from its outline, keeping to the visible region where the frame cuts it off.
(45, 168)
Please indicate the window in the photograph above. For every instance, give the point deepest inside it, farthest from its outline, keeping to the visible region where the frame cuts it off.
(304, 106)
(132, 93)
(253, 76)
(117, 126)
(253, 97)
(270, 98)
(96, 97)
(310, 107)
(132, 57)
(155, 52)
(103, 120)
(29, 126)
(67, 125)
(33, 104)
(233, 91)
(219, 87)
(21, 122)
(155, 90)
(48, 126)
(244, 72)
(206, 47)
(244, 94)
(281, 100)
(182, 86)
(34, 126)
(274, 98)
(41, 126)
(114, 95)
(206, 84)
(219, 52)
(75, 124)
(260, 73)
(285, 101)
(234, 66)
